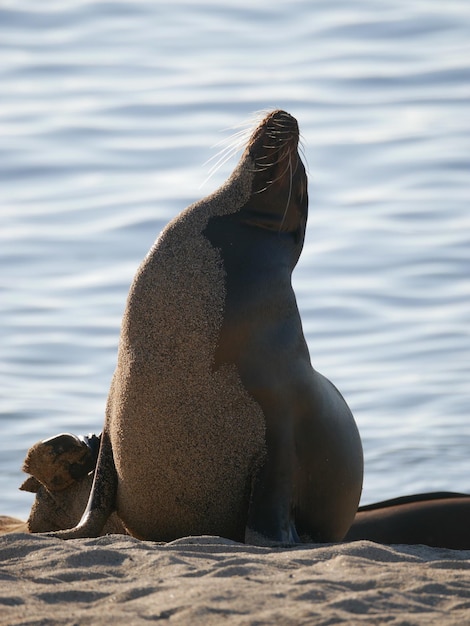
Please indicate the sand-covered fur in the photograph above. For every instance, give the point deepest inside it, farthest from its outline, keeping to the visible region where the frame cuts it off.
(185, 438)
(60, 461)
(56, 510)
(61, 474)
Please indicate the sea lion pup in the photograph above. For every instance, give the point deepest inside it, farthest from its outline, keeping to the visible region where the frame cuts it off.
(62, 460)
(216, 422)
(60, 475)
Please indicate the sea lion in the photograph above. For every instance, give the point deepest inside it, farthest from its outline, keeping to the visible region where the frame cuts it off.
(216, 422)
(437, 519)
(60, 475)
(62, 460)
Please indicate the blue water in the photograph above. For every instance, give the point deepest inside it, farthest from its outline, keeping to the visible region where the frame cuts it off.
(108, 114)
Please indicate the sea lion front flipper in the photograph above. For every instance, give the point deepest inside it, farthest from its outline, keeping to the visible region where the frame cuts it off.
(270, 518)
(270, 514)
(102, 501)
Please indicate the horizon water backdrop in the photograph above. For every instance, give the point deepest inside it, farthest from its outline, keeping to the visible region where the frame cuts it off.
(109, 112)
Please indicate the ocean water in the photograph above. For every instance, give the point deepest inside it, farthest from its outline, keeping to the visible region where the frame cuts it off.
(109, 112)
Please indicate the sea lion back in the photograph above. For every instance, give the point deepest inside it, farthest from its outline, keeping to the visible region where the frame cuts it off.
(185, 436)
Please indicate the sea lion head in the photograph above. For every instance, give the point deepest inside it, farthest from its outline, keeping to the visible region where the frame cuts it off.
(60, 461)
(279, 199)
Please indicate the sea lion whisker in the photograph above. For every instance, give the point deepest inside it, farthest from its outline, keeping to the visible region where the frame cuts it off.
(283, 157)
(301, 148)
(291, 178)
(275, 149)
(233, 143)
(230, 139)
(273, 180)
(220, 156)
(223, 157)
(230, 146)
(278, 135)
(278, 130)
(272, 163)
(268, 184)
(262, 167)
(267, 162)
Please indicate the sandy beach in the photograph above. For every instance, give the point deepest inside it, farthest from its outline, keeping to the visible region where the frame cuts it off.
(117, 579)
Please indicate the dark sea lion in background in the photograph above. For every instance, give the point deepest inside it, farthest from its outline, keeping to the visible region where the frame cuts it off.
(439, 519)
(216, 422)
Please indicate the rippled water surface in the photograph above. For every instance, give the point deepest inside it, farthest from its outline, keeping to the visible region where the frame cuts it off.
(108, 113)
